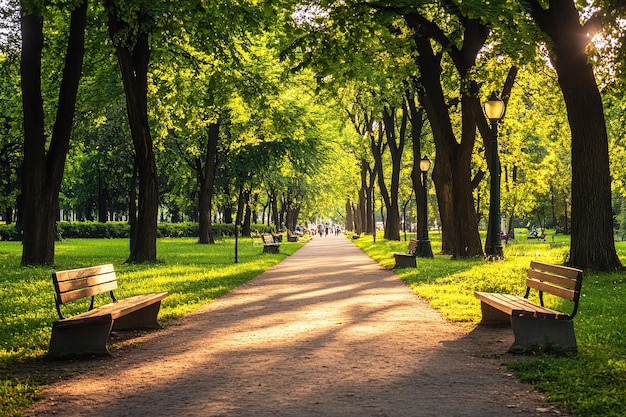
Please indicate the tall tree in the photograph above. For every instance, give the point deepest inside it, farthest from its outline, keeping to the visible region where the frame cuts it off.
(452, 175)
(592, 243)
(44, 164)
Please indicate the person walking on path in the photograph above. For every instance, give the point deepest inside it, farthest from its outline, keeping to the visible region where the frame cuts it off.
(348, 339)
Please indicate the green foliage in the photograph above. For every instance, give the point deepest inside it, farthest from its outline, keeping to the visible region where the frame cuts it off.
(9, 232)
(592, 382)
(114, 230)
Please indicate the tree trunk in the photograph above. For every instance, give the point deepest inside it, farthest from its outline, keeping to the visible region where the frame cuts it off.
(349, 216)
(134, 68)
(451, 175)
(377, 147)
(395, 144)
(247, 215)
(417, 124)
(370, 222)
(363, 197)
(275, 212)
(206, 185)
(592, 241)
(43, 173)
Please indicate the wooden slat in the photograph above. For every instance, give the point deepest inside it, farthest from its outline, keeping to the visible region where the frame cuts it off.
(518, 306)
(552, 289)
(84, 282)
(86, 292)
(555, 279)
(564, 271)
(71, 274)
(118, 309)
(412, 245)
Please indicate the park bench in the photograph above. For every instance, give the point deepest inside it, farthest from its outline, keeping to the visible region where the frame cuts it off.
(406, 260)
(87, 333)
(269, 244)
(535, 325)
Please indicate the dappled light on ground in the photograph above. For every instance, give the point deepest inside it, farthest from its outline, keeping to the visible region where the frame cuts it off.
(326, 332)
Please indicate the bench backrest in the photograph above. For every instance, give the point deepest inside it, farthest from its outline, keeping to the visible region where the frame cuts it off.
(412, 245)
(268, 239)
(562, 281)
(76, 284)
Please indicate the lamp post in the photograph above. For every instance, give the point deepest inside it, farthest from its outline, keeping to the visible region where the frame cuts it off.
(424, 249)
(494, 110)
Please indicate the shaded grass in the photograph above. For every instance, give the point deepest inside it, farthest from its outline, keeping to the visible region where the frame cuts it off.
(592, 382)
(191, 273)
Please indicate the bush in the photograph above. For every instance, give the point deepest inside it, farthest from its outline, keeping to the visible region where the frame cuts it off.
(121, 230)
(9, 232)
(93, 230)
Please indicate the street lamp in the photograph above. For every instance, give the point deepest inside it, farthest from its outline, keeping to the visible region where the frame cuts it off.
(424, 249)
(494, 110)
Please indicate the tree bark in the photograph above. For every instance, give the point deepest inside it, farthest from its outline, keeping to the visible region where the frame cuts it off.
(377, 147)
(133, 55)
(417, 124)
(362, 206)
(395, 144)
(592, 242)
(349, 216)
(43, 172)
(451, 174)
(207, 180)
(370, 222)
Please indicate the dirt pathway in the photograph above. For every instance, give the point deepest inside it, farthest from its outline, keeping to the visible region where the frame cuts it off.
(327, 332)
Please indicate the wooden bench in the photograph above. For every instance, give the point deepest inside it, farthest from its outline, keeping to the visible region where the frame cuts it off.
(87, 333)
(406, 260)
(535, 325)
(269, 245)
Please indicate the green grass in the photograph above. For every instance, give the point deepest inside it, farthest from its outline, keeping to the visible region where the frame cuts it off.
(193, 274)
(591, 382)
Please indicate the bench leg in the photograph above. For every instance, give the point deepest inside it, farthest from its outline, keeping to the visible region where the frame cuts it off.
(145, 318)
(532, 332)
(493, 316)
(404, 261)
(69, 340)
(270, 249)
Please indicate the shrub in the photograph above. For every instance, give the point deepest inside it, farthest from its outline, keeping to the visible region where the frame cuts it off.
(10, 232)
(121, 230)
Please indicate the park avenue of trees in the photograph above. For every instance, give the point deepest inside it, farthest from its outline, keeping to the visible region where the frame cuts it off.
(284, 111)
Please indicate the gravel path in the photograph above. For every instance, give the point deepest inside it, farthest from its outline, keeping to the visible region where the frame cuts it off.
(327, 332)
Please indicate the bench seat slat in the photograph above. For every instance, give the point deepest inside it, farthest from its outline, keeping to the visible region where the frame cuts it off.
(515, 305)
(117, 309)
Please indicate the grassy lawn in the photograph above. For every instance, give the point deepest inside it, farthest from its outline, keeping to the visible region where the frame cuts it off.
(592, 382)
(193, 275)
